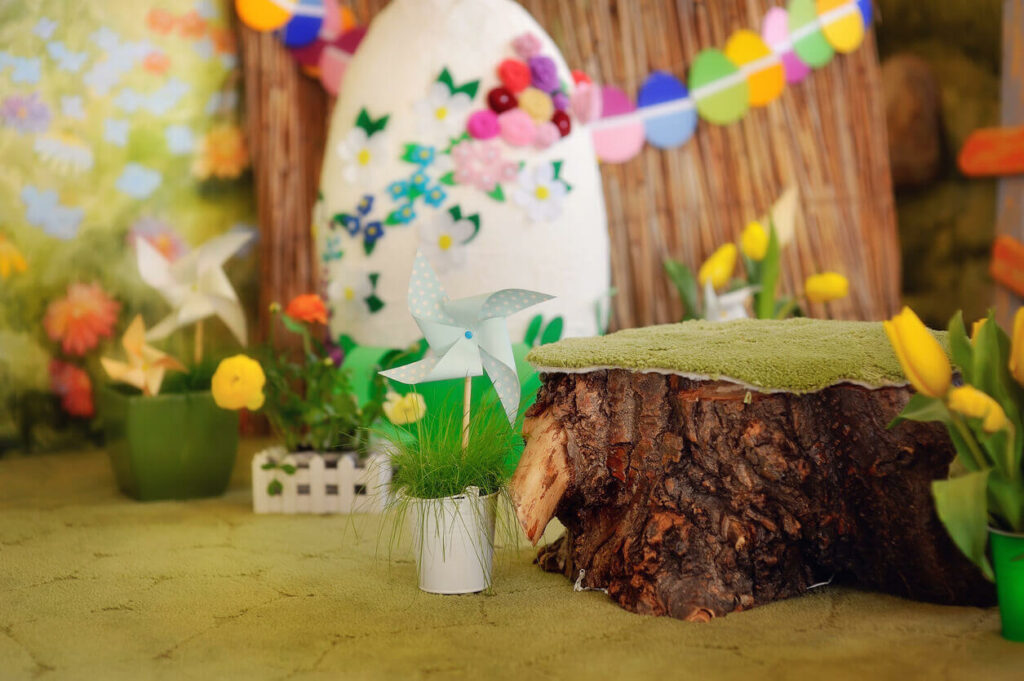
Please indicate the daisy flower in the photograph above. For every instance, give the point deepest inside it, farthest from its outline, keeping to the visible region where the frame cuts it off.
(443, 240)
(540, 192)
(362, 155)
(441, 113)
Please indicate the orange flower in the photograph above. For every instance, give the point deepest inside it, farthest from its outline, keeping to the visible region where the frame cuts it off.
(81, 318)
(156, 62)
(73, 386)
(160, 21)
(223, 39)
(192, 25)
(307, 308)
(223, 153)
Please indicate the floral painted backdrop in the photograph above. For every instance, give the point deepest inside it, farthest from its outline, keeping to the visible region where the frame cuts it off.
(118, 122)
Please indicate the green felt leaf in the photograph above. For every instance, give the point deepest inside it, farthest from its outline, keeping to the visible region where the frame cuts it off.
(275, 487)
(557, 165)
(455, 212)
(368, 246)
(374, 277)
(448, 178)
(962, 507)
(392, 218)
(553, 331)
(533, 330)
(497, 193)
(270, 465)
(764, 299)
(379, 124)
(960, 347)
(288, 468)
(475, 219)
(364, 121)
(446, 78)
(374, 303)
(409, 155)
(684, 281)
(346, 343)
(469, 88)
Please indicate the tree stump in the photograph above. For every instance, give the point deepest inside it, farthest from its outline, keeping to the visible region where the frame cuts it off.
(697, 498)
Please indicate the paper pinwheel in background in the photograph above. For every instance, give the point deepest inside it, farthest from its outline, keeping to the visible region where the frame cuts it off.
(195, 285)
(468, 336)
(146, 365)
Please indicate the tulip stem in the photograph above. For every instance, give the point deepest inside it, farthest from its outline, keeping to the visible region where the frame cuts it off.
(976, 459)
(467, 393)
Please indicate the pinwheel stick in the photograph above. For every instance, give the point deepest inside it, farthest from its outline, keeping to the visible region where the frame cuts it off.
(467, 394)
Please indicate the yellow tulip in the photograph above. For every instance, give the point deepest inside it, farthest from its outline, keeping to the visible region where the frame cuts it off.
(238, 382)
(718, 267)
(970, 401)
(923, 360)
(976, 327)
(409, 408)
(821, 288)
(1017, 347)
(754, 241)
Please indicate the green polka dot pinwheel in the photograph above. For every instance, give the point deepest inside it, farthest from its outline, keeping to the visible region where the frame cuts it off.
(467, 336)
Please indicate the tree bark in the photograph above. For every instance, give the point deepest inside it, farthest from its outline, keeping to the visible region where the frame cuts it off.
(695, 499)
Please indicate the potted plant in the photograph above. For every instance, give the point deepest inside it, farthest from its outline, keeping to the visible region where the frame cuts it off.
(448, 480)
(982, 502)
(168, 439)
(325, 463)
(450, 470)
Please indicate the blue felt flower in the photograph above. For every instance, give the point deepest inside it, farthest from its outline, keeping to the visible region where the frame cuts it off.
(351, 223)
(419, 180)
(405, 214)
(424, 155)
(365, 205)
(435, 196)
(373, 231)
(398, 189)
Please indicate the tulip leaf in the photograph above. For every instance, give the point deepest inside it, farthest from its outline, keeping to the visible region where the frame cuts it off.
(553, 331)
(686, 284)
(533, 330)
(920, 407)
(960, 347)
(764, 299)
(1006, 499)
(962, 506)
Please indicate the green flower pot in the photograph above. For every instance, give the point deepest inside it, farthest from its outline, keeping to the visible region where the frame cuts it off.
(178, 446)
(1008, 559)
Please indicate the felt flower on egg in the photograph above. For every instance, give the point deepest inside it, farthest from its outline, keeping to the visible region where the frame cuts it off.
(352, 293)
(541, 192)
(443, 239)
(481, 165)
(442, 113)
(362, 155)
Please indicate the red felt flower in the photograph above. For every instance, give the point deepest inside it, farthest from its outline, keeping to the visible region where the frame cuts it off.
(81, 318)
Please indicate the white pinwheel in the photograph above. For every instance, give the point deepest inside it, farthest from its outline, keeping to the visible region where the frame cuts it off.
(195, 285)
(468, 336)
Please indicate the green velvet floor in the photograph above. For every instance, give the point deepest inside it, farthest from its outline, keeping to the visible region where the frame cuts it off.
(95, 586)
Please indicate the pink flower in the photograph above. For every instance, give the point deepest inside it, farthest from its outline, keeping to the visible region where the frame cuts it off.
(480, 164)
(517, 128)
(25, 113)
(547, 134)
(483, 125)
(586, 102)
(527, 45)
(73, 386)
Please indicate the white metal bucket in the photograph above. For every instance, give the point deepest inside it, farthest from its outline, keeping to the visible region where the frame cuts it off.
(454, 542)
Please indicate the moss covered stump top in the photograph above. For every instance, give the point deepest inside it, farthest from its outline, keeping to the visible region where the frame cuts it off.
(795, 355)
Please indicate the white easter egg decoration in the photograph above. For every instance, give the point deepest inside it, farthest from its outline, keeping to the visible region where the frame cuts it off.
(517, 204)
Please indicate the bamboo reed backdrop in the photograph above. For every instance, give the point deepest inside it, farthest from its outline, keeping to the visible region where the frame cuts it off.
(825, 135)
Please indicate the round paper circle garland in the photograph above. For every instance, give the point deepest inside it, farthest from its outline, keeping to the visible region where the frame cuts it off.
(752, 70)
(305, 23)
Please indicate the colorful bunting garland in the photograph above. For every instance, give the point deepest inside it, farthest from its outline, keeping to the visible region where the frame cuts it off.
(751, 71)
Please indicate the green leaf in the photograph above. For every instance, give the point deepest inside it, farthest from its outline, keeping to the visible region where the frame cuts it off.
(448, 178)
(364, 121)
(446, 78)
(368, 246)
(553, 331)
(288, 468)
(455, 212)
(270, 465)
(497, 193)
(960, 347)
(392, 218)
(1006, 501)
(475, 219)
(469, 88)
(374, 303)
(686, 284)
(533, 330)
(346, 343)
(557, 165)
(962, 507)
(764, 299)
(373, 277)
(275, 487)
(920, 407)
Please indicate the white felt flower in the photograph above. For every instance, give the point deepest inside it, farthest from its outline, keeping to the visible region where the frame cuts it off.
(348, 291)
(65, 151)
(540, 192)
(443, 239)
(442, 115)
(363, 155)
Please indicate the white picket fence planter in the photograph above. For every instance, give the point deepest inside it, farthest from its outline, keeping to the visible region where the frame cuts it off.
(321, 483)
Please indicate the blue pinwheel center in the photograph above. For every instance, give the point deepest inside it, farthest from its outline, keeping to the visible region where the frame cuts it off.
(469, 334)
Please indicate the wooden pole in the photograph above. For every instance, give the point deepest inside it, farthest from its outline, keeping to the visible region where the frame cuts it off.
(467, 394)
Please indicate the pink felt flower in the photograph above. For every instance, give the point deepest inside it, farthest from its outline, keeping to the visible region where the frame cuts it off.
(483, 125)
(527, 45)
(547, 134)
(517, 128)
(481, 165)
